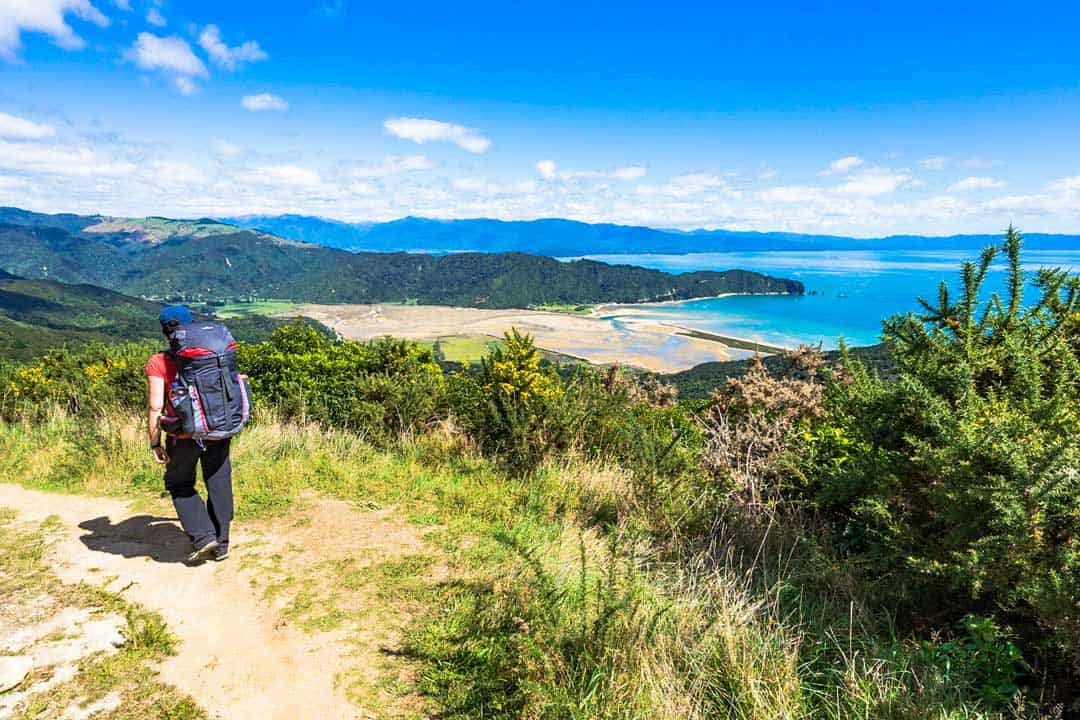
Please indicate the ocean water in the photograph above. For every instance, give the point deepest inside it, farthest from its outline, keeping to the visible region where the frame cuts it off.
(849, 292)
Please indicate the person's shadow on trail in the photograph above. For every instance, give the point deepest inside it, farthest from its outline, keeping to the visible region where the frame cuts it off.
(158, 538)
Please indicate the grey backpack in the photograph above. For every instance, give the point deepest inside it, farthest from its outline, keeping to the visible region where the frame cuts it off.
(210, 398)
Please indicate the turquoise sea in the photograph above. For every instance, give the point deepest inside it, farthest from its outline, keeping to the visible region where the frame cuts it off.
(852, 291)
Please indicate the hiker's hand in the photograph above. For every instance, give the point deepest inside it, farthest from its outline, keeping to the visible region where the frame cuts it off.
(161, 455)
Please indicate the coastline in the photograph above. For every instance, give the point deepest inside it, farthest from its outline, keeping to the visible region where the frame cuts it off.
(611, 311)
(731, 340)
(604, 307)
(646, 344)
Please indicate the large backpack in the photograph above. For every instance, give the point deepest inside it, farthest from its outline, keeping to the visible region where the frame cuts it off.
(211, 399)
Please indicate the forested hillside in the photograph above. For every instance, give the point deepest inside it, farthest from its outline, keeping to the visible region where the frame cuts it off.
(40, 315)
(155, 259)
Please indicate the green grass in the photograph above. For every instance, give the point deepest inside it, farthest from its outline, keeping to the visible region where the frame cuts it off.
(570, 309)
(467, 348)
(258, 307)
(520, 605)
(463, 349)
(277, 467)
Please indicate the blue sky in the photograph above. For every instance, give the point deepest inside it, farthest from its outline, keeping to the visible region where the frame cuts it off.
(851, 118)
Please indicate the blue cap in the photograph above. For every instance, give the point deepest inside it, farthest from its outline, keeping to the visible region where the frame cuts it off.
(174, 315)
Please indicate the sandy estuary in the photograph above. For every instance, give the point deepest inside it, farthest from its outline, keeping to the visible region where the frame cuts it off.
(654, 346)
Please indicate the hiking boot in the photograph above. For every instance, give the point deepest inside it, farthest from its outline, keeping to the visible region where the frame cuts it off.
(221, 552)
(201, 554)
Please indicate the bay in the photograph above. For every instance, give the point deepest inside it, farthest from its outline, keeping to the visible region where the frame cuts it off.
(848, 292)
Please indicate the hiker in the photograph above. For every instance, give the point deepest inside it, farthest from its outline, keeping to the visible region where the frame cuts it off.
(196, 402)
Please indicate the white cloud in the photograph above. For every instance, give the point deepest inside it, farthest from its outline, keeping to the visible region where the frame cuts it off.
(1069, 184)
(291, 176)
(873, 182)
(154, 17)
(11, 183)
(228, 151)
(363, 188)
(60, 160)
(230, 58)
(978, 163)
(123, 4)
(186, 85)
(548, 170)
(395, 165)
(178, 172)
(767, 174)
(21, 129)
(264, 102)
(975, 183)
(938, 162)
(423, 130)
(172, 54)
(1035, 204)
(100, 172)
(689, 185)
(946, 205)
(477, 186)
(634, 172)
(44, 16)
(842, 165)
(791, 194)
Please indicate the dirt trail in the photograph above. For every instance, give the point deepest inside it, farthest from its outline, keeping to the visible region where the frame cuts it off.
(238, 656)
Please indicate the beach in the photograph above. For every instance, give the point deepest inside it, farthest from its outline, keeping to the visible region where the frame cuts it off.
(647, 345)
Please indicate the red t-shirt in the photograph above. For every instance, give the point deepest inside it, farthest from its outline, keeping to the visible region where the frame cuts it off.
(163, 366)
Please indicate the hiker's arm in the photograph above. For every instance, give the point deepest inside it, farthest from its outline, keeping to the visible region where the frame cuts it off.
(155, 402)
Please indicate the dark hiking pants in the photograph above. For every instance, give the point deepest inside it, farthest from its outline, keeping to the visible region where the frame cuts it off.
(202, 522)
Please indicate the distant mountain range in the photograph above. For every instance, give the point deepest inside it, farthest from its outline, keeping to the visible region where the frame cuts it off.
(568, 238)
(206, 259)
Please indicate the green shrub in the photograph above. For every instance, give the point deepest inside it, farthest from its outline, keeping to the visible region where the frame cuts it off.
(85, 381)
(512, 409)
(379, 389)
(983, 661)
(524, 412)
(958, 483)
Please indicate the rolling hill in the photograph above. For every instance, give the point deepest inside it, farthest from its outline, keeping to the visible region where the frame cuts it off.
(40, 314)
(37, 315)
(202, 260)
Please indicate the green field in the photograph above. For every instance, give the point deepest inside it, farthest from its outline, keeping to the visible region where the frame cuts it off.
(258, 307)
(569, 309)
(470, 348)
(466, 348)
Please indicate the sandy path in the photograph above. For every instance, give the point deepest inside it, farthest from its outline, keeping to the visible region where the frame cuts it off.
(648, 345)
(238, 657)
